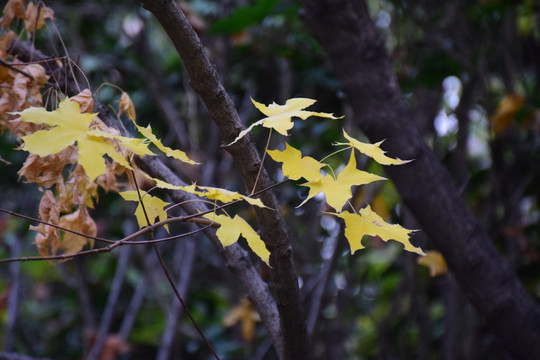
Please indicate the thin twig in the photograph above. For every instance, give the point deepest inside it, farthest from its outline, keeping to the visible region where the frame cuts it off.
(128, 239)
(114, 294)
(12, 67)
(186, 309)
(262, 163)
(56, 226)
(164, 268)
(89, 252)
(185, 253)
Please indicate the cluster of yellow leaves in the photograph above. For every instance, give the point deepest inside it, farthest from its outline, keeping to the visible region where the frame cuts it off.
(230, 229)
(51, 150)
(70, 126)
(73, 135)
(69, 136)
(336, 189)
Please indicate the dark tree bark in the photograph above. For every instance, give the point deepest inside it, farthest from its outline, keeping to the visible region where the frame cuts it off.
(357, 53)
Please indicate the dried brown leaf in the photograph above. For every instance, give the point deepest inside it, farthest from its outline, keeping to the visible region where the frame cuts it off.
(47, 171)
(13, 9)
(35, 17)
(85, 100)
(81, 222)
(126, 105)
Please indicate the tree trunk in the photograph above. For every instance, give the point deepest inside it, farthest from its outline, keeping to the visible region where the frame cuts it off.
(357, 53)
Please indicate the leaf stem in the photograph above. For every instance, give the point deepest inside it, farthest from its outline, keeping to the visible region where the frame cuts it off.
(262, 162)
(335, 152)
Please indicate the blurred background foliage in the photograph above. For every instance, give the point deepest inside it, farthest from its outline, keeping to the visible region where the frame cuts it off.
(470, 71)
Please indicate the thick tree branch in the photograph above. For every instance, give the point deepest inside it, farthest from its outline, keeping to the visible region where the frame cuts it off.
(357, 52)
(221, 108)
(236, 257)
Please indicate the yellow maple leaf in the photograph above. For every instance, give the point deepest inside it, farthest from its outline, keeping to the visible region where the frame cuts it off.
(279, 116)
(338, 191)
(165, 185)
(227, 196)
(246, 314)
(372, 150)
(295, 166)
(435, 262)
(232, 228)
(212, 193)
(69, 126)
(154, 207)
(368, 222)
(136, 146)
(506, 112)
(174, 153)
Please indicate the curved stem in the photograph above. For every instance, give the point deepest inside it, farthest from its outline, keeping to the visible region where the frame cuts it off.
(262, 163)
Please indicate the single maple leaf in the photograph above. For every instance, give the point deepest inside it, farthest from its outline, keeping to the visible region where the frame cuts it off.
(70, 126)
(126, 105)
(35, 16)
(212, 193)
(153, 206)
(338, 191)
(85, 100)
(246, 314)
(136, 146)
(192, 189)
(295, 166)
(368, 222)
(232, 228)
(279, 117)
(435, 262)
(46, 171)
(47, 238)
(13, 9)
(77, 191)
(81, 222)
(506, 112)
(227, 196)
(372, 150)
(174, 153)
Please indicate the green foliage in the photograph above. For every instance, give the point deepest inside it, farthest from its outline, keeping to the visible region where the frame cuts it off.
(244, 16)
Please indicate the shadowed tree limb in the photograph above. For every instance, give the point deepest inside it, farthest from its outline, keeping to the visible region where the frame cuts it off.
(358, 55)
